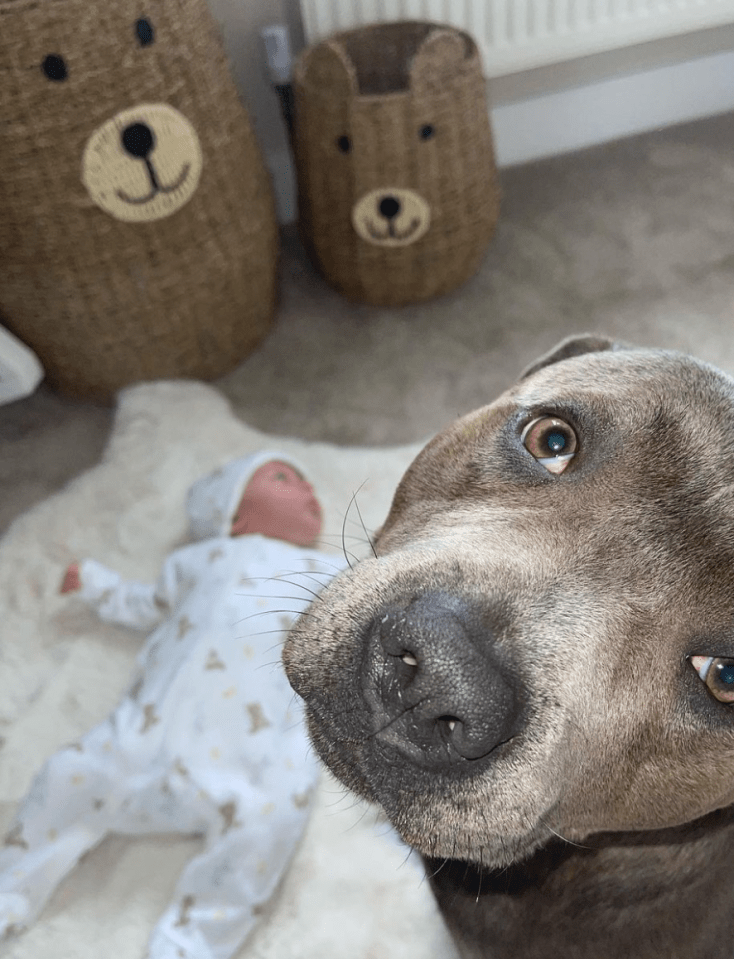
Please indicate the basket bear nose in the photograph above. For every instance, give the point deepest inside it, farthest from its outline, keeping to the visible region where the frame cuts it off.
(437, 691)
(389, 207)
(137, 139)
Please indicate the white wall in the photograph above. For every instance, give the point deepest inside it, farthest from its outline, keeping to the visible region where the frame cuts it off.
(241, 21)
(600, 111)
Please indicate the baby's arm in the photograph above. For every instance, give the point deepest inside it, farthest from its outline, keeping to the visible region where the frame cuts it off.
(115, 600)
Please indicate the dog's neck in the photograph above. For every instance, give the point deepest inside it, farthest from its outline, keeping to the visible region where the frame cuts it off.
(645, 895)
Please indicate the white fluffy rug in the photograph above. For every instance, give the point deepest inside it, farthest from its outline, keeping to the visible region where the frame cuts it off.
(351, 890)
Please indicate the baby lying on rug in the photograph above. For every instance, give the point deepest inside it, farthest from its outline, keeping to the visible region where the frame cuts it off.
(208, 738)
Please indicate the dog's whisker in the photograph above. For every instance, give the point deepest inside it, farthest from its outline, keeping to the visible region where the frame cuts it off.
(296, 599)
(263, 632)
(357, 822)
(266, 612)
(559, 836)
(481, 874)
(406, 860)
(432, 875)
(369, 538)
(311, 574)
(325, 537)
(344, 523)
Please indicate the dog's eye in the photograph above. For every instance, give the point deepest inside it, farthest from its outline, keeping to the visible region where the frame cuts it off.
(551, 441)
(718, 674)
(344, 144)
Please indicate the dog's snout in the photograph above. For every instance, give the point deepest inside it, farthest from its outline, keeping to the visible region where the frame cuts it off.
(137, 139)
(389, 207)
(437, 693)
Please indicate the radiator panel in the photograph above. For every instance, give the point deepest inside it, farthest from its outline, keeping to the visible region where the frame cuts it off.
(515, 35)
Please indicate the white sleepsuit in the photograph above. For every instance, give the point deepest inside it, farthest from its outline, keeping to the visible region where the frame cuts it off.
(208, 739)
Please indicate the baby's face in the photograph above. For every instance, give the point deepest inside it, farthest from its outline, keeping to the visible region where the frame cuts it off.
(280, 503)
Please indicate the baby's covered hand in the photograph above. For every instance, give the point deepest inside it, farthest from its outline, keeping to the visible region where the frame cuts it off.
(71, 581)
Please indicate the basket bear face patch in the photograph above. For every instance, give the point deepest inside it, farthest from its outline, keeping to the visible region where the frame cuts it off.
(143, 164)
(391, 216)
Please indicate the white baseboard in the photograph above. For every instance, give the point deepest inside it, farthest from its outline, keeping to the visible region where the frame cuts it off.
(606, 110)
(582, 116)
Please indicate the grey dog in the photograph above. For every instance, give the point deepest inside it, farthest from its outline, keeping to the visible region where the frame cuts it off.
(534, 675)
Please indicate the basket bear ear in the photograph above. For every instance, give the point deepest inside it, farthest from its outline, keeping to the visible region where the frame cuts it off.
(328, 67)
(438, 60)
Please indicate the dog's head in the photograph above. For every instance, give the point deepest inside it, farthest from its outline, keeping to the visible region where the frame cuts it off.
(544, 642)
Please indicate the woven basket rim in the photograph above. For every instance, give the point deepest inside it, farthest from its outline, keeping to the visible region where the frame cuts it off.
(468, 67)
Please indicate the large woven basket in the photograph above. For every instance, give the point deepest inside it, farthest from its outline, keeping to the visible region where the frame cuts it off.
(138, 237)
(398, 194)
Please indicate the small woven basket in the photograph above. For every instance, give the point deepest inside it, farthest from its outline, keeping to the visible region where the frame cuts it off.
(138, 237)
(398, 193)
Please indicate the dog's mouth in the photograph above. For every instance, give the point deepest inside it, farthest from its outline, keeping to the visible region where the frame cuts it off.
(455, 814)
(439, 818)
(429, 723)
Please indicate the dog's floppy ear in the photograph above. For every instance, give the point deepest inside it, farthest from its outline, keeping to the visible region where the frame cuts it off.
(573, 346)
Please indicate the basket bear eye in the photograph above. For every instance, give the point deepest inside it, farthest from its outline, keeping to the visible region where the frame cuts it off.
(54, 67)
(427, 131)
(344, 144)
(144, 32)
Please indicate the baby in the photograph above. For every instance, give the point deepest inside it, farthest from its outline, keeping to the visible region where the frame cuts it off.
(209, 738)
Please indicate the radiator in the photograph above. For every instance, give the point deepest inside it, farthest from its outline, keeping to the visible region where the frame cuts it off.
(516, 35)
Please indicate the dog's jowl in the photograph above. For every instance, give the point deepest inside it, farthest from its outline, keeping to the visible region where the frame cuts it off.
(534, 676)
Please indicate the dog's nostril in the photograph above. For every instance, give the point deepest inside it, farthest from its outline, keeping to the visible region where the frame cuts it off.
(138, 140)
(409, 659)
(389, 207)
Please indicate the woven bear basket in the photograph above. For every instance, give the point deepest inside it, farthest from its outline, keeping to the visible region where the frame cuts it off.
(138, 237)
(398, 193)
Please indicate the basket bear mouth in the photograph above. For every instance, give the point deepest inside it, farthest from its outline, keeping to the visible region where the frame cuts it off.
(155, 186)
(391, 216)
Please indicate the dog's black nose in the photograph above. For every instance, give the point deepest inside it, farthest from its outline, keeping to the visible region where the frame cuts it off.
(436, 689)
(138, 140)
(389, 207)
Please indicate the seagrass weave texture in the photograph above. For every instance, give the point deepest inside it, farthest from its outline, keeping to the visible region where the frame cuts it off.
(398, 194)
(138, 237)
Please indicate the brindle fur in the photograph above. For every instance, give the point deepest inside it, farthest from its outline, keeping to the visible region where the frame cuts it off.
(603, 827)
